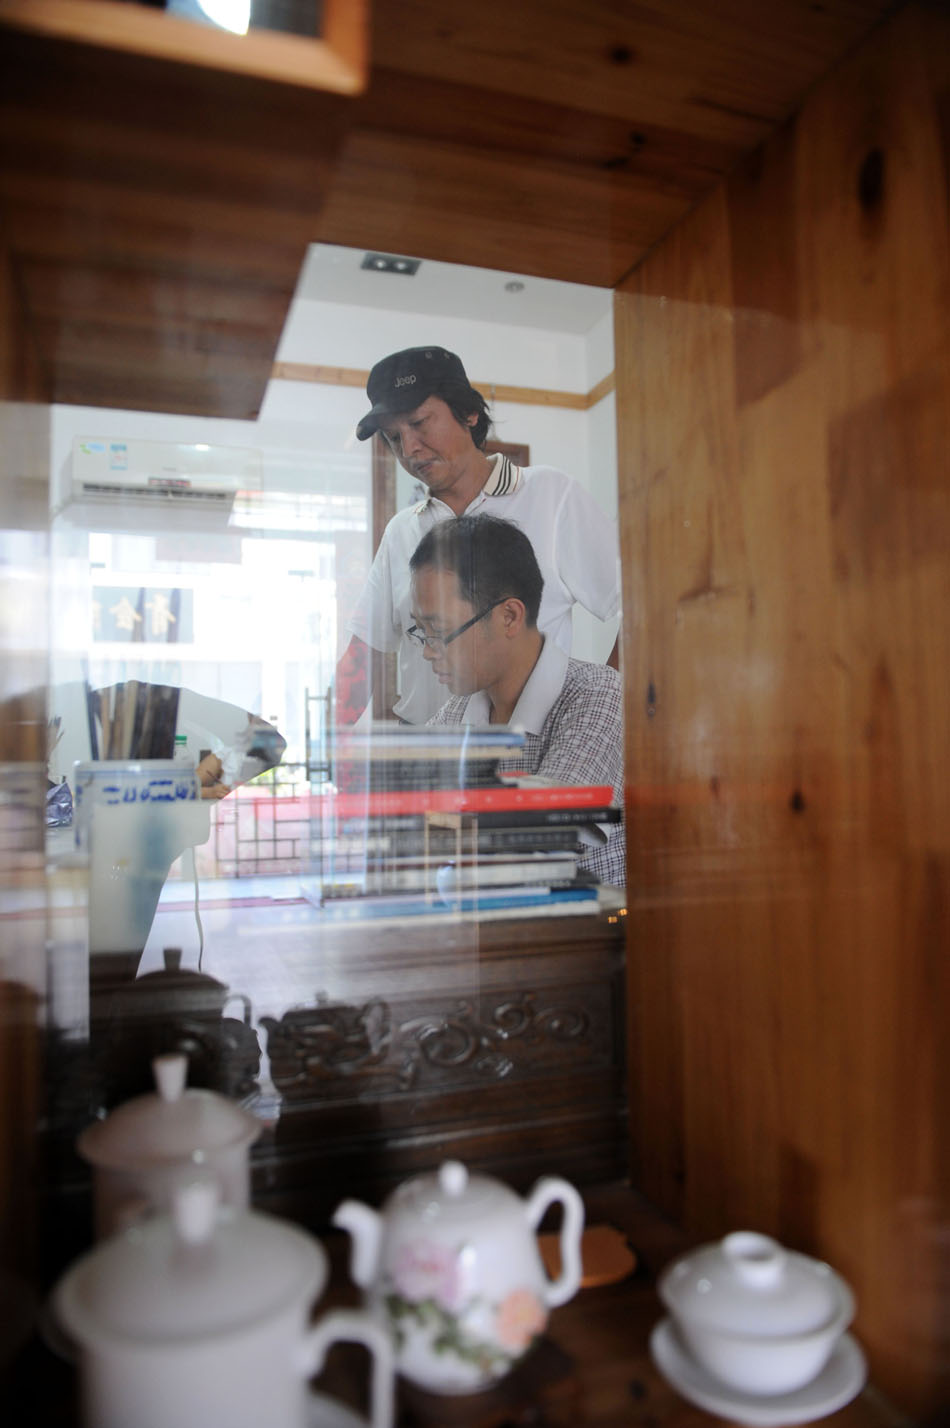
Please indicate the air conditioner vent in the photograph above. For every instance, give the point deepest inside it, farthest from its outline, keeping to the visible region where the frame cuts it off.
(155, 490)
(145, 485)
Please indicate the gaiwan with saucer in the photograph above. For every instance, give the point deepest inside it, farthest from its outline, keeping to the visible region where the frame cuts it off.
(760, 1319)
(841, 1380)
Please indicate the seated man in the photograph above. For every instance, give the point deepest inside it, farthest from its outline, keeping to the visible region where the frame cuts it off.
(476, 589)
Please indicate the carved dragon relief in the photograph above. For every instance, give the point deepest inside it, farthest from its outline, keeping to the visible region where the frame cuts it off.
(337, 1049)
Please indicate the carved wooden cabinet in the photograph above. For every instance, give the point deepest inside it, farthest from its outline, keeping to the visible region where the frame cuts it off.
(368, 1052)
(499, 1043)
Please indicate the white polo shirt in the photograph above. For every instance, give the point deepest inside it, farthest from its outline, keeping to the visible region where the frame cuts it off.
(574, 542)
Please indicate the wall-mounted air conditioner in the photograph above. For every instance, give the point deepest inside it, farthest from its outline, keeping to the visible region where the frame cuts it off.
(165, 485)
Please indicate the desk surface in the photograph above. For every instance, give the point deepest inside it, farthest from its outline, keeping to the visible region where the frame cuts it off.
(593, 1371)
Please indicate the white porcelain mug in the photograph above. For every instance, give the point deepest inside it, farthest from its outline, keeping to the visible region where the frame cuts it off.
(201, 1319)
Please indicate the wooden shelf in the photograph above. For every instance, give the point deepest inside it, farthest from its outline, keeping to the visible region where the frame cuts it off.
(592, 1369)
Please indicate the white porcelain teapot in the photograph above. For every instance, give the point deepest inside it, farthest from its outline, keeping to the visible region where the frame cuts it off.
(451, 1264)
(149, 1144)
(201, 1319)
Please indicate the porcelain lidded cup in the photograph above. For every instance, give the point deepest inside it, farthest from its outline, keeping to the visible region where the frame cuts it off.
(761, 1318)
(451, 1263)
(149, 1144)
(201, 1319)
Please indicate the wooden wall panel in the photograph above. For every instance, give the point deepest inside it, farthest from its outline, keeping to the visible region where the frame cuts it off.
(564, 140)
(783, 379)
(684, 65)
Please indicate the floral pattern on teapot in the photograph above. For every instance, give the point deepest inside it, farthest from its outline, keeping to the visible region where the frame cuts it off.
(451, 1264)
(424, 1292)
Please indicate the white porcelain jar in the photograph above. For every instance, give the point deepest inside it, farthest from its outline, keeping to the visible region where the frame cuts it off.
(201, 1319)
(148, 1145)
(452, 1265)
(761, 1318)
(132, 819)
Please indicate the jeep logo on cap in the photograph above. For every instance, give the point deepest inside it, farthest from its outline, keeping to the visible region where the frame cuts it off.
(406, 381)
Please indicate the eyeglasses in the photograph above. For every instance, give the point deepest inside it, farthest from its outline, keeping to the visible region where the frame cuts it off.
(440, 641)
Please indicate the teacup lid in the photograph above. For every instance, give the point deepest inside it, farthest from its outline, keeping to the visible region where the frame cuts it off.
(451, 1195)
(202, 1270)
(748, 1283)
(170, 1125)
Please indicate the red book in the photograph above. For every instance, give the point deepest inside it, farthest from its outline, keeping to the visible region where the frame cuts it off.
(391, 802)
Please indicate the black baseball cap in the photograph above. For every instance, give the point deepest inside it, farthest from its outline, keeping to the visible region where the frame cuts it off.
(403, 380)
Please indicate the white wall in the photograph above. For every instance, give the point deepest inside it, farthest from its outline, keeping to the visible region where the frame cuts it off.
(327, 333)
(593, 640)
(602, 419)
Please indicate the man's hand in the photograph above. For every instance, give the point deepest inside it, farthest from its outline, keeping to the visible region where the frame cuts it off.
(353, 682)
(209, 771)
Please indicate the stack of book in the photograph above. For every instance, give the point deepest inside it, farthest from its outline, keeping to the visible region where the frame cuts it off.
(405, 757)
(424, 822)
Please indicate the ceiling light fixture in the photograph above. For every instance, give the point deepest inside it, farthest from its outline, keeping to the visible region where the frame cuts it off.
(390, 263)
(234, 15)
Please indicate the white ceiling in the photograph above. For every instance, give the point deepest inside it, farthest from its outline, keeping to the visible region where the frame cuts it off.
(333, 274)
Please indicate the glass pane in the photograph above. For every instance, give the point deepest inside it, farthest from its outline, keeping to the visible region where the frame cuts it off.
(316, 919)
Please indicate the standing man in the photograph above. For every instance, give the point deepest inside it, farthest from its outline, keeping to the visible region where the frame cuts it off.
(436, 424)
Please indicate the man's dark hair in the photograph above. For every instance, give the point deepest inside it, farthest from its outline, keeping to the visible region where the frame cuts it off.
(461, 400)
(491, 559)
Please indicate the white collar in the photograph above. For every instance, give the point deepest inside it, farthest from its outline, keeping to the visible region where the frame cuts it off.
(536, 700)
(504, 479)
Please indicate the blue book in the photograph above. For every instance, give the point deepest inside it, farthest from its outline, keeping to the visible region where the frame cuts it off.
(359, 908)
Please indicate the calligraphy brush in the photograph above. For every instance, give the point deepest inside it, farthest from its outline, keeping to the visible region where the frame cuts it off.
(148, 723)
(90, 712)
(166, 718)
(129, 695)
(138, 723)
(102, 702)
(115, 739)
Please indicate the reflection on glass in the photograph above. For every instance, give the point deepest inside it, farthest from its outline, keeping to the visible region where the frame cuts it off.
(307, 940)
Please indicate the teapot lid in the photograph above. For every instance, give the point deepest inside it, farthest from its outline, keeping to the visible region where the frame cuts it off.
(173, 976)
(452, 1195)
(171, 1124)
(748, 1283)
(204, 1269)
